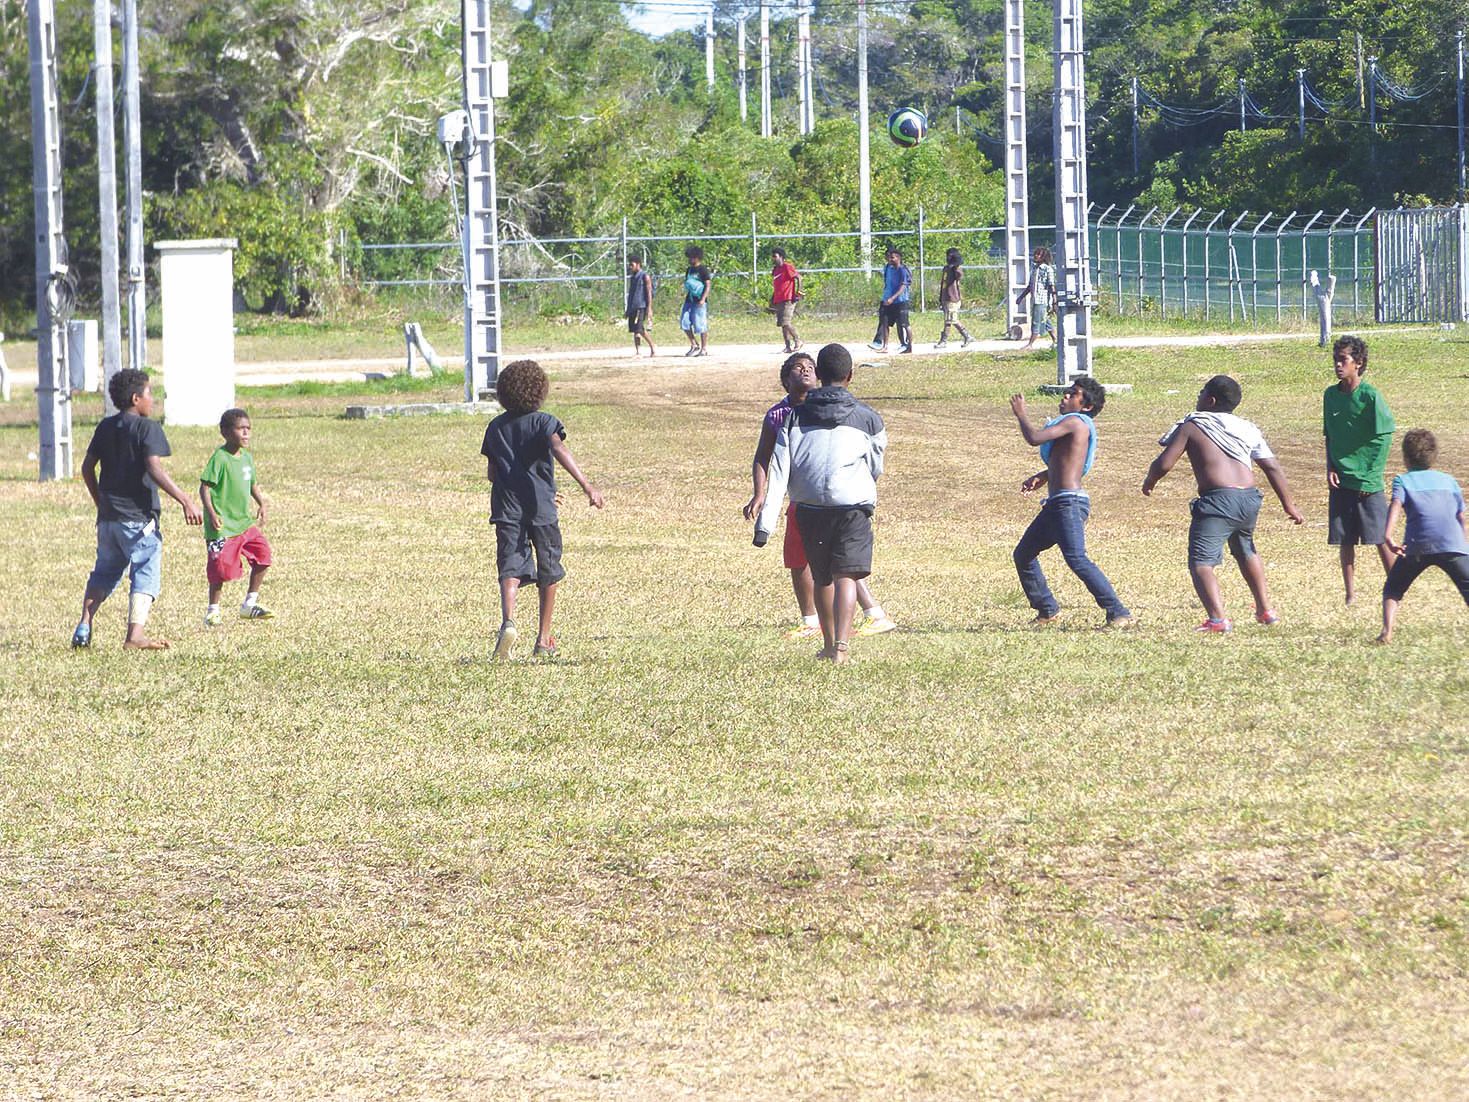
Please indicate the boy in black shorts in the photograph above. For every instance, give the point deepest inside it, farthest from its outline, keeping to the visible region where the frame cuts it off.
(519, 446)
(831, 473)
(1358, 427)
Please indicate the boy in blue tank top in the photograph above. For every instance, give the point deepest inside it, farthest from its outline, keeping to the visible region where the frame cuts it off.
(1434, 536)
(1068, 447)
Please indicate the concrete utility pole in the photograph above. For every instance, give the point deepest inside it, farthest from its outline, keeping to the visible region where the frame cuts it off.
(53, 396)
(484, 79)
(808, 68)
(709, 49)
(1136, 132)
(106, 190)
(133, 136)
(1017, 173)
(744, 108)
(1241, 105)
(764, 69)
(864, 145)
(1301, 102)
(1073, 278)
(801, 33)
(1459, 86)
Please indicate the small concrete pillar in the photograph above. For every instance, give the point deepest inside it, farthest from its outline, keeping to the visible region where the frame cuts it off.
(82, 362)
(197, 279)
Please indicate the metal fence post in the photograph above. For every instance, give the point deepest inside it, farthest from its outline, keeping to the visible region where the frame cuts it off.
(1184, 232)
(1357, 264)
(1163, 264)
(1280, 229)
(1234, 266)
(1255, 268)
(1121, 218)
(754, 247)
(922, 307)
(1141, 224)
(624, 251)
(1305, 267)
(1331, 241)
(1100, 257)
(1208, 259)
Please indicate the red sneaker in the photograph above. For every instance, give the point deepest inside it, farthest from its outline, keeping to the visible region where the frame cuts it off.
(1215, 627)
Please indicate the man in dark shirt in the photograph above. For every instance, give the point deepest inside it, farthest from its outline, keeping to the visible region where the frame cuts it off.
(129, 447)
(639, 306)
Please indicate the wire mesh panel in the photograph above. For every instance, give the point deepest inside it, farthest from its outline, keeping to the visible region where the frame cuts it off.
(1417, 272)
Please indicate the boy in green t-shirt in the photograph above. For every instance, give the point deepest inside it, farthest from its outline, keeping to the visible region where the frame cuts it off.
(1358, 427)
(226, 487)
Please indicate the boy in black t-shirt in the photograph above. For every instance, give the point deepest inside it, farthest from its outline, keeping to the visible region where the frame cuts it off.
(129, 447)
(519, 446)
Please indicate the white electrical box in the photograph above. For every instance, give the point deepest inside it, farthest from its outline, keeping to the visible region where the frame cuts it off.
(499, 79)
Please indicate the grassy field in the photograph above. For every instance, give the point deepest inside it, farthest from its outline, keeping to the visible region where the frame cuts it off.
(341, 855)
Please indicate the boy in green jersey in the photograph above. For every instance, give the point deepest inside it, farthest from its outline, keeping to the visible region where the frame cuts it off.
(226, 487)
(1359, 428)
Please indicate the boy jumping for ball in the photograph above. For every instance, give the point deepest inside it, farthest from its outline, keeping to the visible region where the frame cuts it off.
(230, 538)
(829, 453)
(1220, 447)
(129, 447)
(1435, 534)
(519, 447)
(1068, 447)
(1358, 428)
(798, 377)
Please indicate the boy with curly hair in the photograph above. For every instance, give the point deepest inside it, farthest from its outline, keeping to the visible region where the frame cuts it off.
(232, 537)
(129, 447)
(519, 447)
(1435, 536)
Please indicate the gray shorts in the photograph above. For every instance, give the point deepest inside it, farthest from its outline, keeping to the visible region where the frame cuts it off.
(1355, 517)
(529, 552)
(1220, 516)
(785, 313)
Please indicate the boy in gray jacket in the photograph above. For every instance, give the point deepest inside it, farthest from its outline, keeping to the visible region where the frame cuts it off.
(828, 458)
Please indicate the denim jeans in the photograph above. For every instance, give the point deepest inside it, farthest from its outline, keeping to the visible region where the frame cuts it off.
(1062, 523)
(128, 545)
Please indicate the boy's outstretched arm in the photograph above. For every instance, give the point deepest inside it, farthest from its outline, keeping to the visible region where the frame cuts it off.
(1394, 511)
(776, 490)
(1275, 473)
(163, 482)
(563, 456)
(758, 468)
(1166, 459)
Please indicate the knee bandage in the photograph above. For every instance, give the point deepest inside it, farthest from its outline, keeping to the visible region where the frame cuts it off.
(139, 605)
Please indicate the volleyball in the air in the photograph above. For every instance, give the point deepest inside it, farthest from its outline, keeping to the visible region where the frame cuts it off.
(907, 127)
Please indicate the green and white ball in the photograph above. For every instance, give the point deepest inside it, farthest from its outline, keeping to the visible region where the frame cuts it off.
(907, 126)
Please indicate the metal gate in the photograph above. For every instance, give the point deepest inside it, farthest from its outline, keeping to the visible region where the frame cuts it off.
(1421, 258)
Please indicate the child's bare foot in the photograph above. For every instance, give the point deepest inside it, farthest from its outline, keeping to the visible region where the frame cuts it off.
(1383, 639)
(826, 654)
(142, 642)
(840, 655)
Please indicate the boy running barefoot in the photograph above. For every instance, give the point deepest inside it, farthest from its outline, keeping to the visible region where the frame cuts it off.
(1435, 535)
(1220, 447)
(129, 447)
(639, 311)
(226, 488)
(519, 447)
(798, 376)
(829, 452)
(1358, 427)
(1068, 446)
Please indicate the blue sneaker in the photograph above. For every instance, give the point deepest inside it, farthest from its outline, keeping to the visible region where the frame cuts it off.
(82, 637)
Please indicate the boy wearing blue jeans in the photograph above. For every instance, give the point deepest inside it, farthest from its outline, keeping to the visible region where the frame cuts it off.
(128, 446)
(1434, 506)
(1068, 446)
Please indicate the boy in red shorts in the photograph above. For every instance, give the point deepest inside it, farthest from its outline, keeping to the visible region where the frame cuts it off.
(797, 376)
(226, 488)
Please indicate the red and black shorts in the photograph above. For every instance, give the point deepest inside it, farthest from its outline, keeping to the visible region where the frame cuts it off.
(226, 557)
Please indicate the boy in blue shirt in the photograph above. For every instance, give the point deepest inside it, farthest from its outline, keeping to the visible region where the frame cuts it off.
(1068, 446)
(1434, 506)
(129, 446)
(519, 447)
(897, 283)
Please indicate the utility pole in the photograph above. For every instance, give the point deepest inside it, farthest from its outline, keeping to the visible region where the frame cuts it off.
(53, 395)
(1459, 86)
(744, 108)
(106, 189)
(1073, 277)
(133, 137)
(1017, 173)
(1372, 109)
(709, 49)
(1301, 100)
(802, 31)
(1241, 105)
(765, 123)
(484, 79)
(1136, 132)
(864, 151)
(1361, 84)
(810, 68)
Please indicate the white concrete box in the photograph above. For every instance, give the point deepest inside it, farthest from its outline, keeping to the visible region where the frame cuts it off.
(83, 359)
(197, 281)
